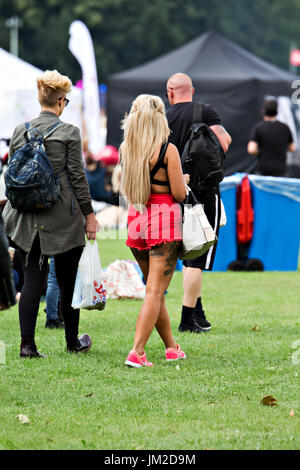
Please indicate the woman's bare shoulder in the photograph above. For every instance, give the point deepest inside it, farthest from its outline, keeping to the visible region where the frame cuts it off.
(172, 151)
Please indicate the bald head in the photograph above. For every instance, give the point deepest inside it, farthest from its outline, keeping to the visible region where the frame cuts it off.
(180, 88)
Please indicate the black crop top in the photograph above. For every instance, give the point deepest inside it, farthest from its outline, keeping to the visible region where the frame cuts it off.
(159, 164)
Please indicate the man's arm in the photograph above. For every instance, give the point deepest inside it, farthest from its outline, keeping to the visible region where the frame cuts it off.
(252, 147)
(223, 136)
(291, 146)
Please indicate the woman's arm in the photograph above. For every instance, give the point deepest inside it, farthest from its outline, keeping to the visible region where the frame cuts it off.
(176, 178)
(17, 140)
(91, 226)
(79, 183)
(76, 173)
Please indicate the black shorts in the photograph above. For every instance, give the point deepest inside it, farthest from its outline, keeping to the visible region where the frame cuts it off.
(212, 208)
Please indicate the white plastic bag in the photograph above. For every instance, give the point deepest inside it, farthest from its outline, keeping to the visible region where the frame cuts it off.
(89, 290)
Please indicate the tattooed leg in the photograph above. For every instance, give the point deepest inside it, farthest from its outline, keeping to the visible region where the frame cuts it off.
(172, 257)
(163, 325)
(170, 252)
(162, 262)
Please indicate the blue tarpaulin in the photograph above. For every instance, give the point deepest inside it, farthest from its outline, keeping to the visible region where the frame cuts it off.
(276, 236)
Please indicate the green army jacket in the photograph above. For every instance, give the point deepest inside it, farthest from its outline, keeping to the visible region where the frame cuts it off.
(62, 227)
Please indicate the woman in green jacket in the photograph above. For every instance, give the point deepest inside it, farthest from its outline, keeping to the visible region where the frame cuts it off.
(58, 231)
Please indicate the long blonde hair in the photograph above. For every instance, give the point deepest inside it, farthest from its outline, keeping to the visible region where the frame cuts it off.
(145, 128)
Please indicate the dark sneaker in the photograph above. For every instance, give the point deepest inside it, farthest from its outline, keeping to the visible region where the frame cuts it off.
(83, 344)
(191, 328)
(182, 327)
(199, 325)
(201, 322)
(61, 323)
(54, 324)
(29, 350)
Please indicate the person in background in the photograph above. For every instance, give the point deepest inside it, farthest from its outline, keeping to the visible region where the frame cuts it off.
(52, 309)
(4, 146)
(270, 140)
(18, 270)
(7, 281)
(180, 93)
(96, 177)
(58, 231)
(116, 178)
(153, 183)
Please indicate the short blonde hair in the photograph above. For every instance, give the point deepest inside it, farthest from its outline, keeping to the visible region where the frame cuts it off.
(51, 85)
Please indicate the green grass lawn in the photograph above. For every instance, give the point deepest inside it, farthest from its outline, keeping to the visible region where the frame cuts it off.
(211, 400)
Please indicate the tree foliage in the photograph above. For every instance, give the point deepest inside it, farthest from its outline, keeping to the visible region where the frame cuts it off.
(127, 33)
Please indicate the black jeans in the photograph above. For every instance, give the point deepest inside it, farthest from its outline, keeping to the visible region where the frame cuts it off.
(35, 277)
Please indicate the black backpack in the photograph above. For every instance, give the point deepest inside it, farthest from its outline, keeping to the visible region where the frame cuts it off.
(30, 180)
(203, 156)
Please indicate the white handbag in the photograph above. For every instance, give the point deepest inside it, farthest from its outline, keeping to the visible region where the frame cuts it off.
(197, 233)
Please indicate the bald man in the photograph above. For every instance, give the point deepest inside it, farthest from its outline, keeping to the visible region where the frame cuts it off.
(180, 93)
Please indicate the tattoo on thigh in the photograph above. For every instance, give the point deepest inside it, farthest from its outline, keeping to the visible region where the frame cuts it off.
(156, 251)
(172, 258)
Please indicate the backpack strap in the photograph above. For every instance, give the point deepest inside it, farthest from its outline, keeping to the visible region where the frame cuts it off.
(26, 133)
(31, 131)
(51, 129)
(198, 112)
(189, 196)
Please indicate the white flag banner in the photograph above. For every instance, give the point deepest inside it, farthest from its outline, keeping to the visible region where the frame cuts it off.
(289, 113)
(81, 46)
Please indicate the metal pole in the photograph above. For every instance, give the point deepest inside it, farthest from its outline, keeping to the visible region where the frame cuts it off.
(14, 23)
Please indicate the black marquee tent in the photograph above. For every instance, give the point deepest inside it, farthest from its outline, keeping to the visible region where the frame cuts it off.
(223, 74)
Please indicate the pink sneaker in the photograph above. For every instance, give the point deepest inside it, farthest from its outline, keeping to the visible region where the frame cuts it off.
(135, 360)
(174, 354)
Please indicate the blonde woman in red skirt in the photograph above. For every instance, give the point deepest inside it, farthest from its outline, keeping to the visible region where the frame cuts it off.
(153, 182)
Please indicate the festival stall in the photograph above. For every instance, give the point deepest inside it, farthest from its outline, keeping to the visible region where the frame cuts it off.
(18, 95)
(223, 74)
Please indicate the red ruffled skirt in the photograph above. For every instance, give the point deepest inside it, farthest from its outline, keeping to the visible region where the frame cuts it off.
(159, 222)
